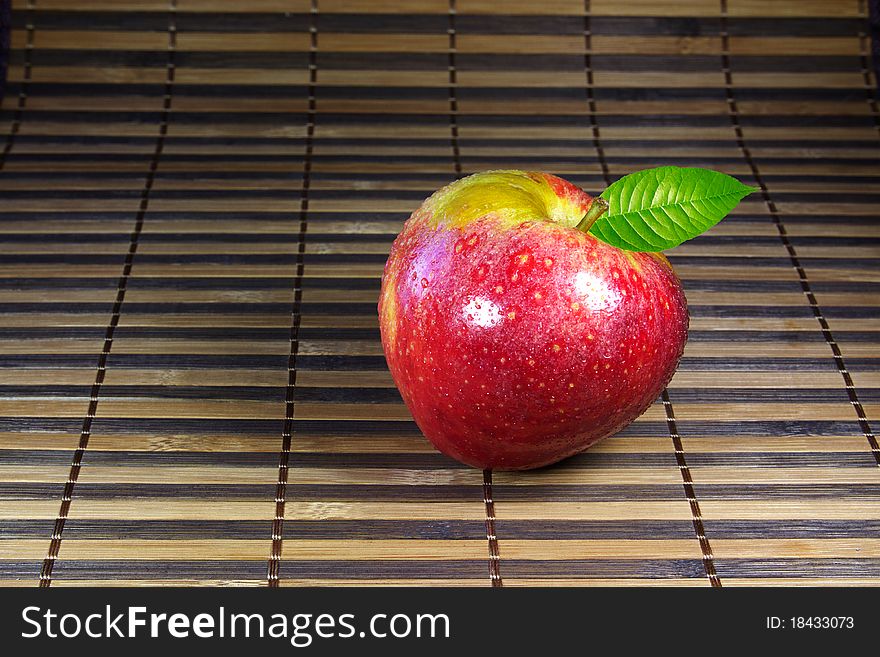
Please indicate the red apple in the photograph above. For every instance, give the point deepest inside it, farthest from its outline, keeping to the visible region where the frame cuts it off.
(515, 337)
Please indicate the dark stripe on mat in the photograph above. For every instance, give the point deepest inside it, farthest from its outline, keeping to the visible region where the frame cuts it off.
(384, 569)
(454, 493)
(556, 530)
(435, 461)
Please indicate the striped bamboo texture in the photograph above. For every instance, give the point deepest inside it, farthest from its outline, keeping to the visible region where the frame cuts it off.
(196, 201)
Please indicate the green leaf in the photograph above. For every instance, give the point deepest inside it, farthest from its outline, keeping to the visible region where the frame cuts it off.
(658, 209)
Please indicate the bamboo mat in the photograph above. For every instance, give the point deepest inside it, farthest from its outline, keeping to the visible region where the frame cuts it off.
(196, 201)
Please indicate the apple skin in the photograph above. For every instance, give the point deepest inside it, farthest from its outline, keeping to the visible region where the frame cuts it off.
(516, 339)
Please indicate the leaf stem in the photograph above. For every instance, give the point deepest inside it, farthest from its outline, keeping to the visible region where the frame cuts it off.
(598, 207)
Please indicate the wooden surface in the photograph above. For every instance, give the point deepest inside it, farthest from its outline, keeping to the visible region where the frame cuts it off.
(196, 200)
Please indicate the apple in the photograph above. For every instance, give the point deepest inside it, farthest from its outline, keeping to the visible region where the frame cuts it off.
(516, 338)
